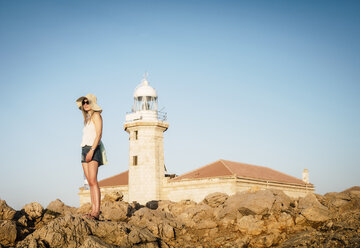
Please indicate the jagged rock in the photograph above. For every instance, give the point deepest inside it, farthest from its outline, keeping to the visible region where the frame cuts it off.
(33, 210)
(23, 221)
(121, 234)
(7, 232)
(312, 209)
(259, 202)
(95, 242)
(160, 223)
(285, 221)
(316, 214)
(59, 207)
(215, 199)
(266, 240)
(266, 218)
(113, 196)
(314, 238)
(71, 231)
(343, 201)
(6, 212)
(250, 225)
(282, 222)
(308, 201)
(68, 231)
(84, 208)
(282, 201)
(165, 205)
(113, 210)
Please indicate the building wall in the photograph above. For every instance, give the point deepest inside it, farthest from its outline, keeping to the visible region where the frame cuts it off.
(146, 176)
(85, 194)
(197, 190)
(291, 190)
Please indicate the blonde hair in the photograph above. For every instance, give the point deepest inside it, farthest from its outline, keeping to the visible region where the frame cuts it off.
(86, 115)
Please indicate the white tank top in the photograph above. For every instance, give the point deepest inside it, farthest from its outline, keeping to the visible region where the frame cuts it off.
(89, 134)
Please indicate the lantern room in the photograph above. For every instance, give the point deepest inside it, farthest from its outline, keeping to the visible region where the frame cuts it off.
(145, 97)
(145, 105)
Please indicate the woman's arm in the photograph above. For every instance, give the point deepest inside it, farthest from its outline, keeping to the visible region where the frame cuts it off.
(98, 128)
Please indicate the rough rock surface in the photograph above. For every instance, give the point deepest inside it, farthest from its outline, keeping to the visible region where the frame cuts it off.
(7, 232)
(6, 212)
(265, 218)
(114, 210)
(34, 210)
(113, 196)
(58, 206)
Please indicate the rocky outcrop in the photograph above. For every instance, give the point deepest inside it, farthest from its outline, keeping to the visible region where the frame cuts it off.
(266, 218)
(58, 206)
(6, 212)
(7, 232)
(33, 210)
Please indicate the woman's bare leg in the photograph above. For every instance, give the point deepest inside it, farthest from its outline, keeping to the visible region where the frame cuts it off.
(86, 172)
(94, 187)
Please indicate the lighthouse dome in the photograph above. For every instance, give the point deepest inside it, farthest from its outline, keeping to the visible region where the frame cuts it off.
(144, 89)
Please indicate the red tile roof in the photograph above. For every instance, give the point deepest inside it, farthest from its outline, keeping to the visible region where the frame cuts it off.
(121, 179)
(222, 168)
(218, 168)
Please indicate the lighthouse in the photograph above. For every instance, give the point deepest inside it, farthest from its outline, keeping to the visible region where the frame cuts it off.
(145, 126)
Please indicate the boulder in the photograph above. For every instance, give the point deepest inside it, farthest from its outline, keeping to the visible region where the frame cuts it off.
(250, 225)
(58, 206)
(316, 214)
(313, 210)
(33, 210)
(279, 223)
(161, 224)
(196, 214)
(308, 201)
(114, 210)
(8, 232)
(215, 199)
(6, 212)
(113, 196)
(246, 203)
(282, 201)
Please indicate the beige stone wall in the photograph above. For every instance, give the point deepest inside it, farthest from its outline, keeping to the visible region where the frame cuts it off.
(145, 178)
(291, 190)
(197, 190)
(85, 194)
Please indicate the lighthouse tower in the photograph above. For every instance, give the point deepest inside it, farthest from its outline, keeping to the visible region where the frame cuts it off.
(145, 125)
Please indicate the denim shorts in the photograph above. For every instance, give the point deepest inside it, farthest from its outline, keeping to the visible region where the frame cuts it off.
(96, 157)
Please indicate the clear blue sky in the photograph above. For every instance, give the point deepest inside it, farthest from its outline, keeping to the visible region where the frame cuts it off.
(272, 83)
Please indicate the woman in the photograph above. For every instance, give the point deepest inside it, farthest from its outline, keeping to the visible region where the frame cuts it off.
(91, 157)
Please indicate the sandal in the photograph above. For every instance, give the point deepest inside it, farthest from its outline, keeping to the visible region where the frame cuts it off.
(93, 217)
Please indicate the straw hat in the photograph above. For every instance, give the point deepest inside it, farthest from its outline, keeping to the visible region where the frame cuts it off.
(92, 101)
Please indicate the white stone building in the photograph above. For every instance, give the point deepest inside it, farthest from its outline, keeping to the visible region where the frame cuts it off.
(146, 179)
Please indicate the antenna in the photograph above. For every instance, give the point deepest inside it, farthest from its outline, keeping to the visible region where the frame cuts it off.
(146, 75)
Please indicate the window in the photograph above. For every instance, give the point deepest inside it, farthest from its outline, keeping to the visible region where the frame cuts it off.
(136, 135)
(135, 160)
